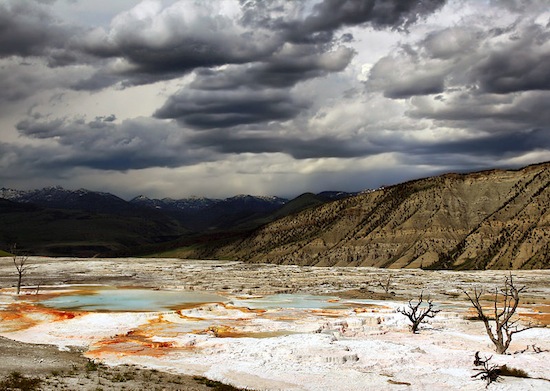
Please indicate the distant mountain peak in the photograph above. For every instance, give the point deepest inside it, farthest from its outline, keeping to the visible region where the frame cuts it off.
(140, 197)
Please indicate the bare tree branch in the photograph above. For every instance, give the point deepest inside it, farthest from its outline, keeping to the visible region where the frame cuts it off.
(21, 265)
(504, 327)
(386, 285)
(416, 314)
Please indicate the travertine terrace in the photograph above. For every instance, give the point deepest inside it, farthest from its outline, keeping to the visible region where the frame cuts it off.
(354, 340)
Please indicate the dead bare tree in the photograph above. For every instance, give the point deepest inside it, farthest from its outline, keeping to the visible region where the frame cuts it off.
(504, 326)
(487, 372)
(21, 265)
(386, 285)
(418, 314)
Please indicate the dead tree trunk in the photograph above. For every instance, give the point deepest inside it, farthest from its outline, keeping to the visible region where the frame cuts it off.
(416, 314)
(504, 326)
(20, 263)
(386, 285)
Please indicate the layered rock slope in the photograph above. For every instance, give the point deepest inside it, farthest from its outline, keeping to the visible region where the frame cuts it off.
(486, 220)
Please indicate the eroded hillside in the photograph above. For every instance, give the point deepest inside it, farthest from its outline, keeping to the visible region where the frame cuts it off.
(492, 219)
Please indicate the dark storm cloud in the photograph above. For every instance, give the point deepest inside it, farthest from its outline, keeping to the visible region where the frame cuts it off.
(501, 61)
(330, 15)
(487, 112)
(292, 64)
(498, 144)
(171, 42)
(168, 43)
(326, 146)
(222, 109)
(520, 65)
(27, 29)
(490, 85)
(106, 145)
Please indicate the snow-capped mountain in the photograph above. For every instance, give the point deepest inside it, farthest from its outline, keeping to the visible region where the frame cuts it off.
(167, 204)
(194, 213)
(60, 198)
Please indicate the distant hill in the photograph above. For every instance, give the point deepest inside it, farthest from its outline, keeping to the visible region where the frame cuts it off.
(47, 231)
(492, 219)
(59, 198)
(56, 221)
(202, 214)
(241, 212)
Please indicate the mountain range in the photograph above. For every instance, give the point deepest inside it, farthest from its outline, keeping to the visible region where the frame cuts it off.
(493, 219)
(497, 219)
(56, 221)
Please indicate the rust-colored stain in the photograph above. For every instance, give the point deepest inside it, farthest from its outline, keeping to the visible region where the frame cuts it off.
(362, 310)
(21, 316)
(244, 309)
(538, 319)
(539, 315)
(132, 343)
(284, 318)
(541, 308)
(223, 331)
(189, 318)
(327, 313)
(366, 307)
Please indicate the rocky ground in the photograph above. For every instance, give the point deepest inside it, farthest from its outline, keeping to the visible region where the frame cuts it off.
(24, 366)
(319, 348)
(261, 279)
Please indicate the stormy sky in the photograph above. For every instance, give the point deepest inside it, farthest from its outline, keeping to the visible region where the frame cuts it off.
(173, 98)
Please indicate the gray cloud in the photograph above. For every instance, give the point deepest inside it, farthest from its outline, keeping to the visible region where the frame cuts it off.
(324, 146)
(106, 145)
(521, 64)
(29, 29)
(490, 85)
(161, 44)
(273, 81)
(398, 83)
(499, 61)
(450, 43)
(487, 113)
(165, 43)
(522, 6)
(330, 15)
(222, 109)
(292, 64)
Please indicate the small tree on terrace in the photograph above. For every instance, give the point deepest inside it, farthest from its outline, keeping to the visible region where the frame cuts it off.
(505, 304)
(417, 313)
(386, 285)
(21, 265)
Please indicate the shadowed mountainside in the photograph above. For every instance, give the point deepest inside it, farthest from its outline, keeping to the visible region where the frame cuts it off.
(45, 231)
(486, 220)
(56, 221)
